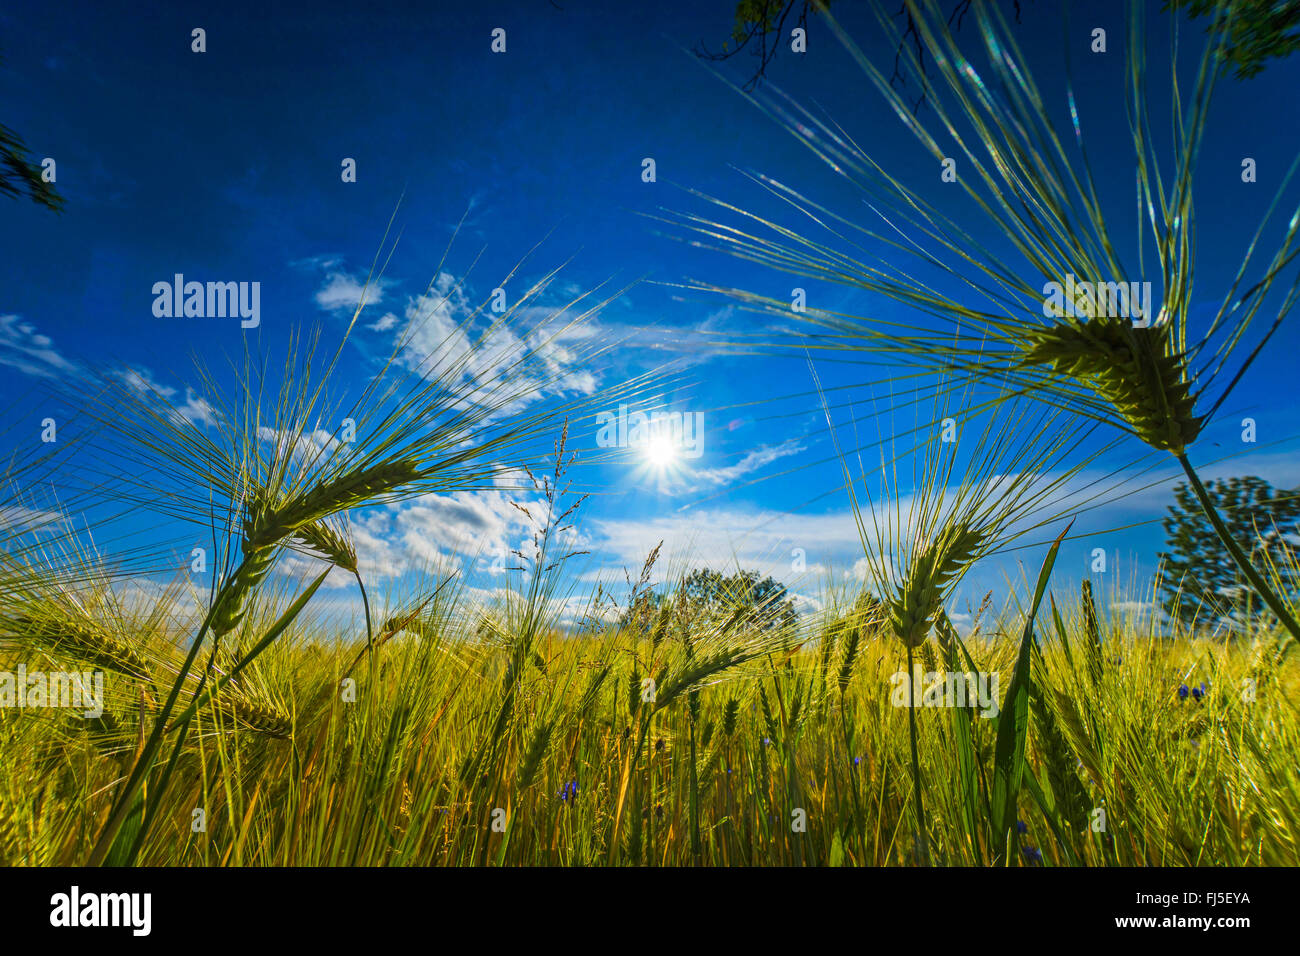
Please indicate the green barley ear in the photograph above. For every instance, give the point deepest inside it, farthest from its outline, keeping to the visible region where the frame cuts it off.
(769, 720)
(1139, 371)
(591, 695)
(1093, 650)
(661, 624)
(690, 673)
(83, 640)
(11, 841)
(325, 541)
(260, 715)
(350, 490)
(267, 527)
(233, 599)
(947, 635)
(534, 754)
(1090, 614)
(918, 598)
(729, 715)
(634, 693)
(851, 645)
(928, 662)
(826, 649)
(1264, 663)
(1071, 799)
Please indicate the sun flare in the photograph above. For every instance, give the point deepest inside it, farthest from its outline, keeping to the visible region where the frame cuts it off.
(661, 451)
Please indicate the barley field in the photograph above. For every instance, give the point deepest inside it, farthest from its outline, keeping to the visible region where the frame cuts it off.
(220, 647)
(471, 738)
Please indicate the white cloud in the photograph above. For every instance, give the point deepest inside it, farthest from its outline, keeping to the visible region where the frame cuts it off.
(536, 353)
(194, 408)
(17, 519)
(726, 539)
(439, 533)
(754, 460)
(309, 447)
(197, 409)
(343, 292)
(316, 263)
(681, 347)
(1140, 610)
(27, 350)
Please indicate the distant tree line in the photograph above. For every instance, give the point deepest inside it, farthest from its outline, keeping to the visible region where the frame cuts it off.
(706, 596)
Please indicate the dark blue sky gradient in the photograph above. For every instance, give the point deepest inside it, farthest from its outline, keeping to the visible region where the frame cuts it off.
(226, 166)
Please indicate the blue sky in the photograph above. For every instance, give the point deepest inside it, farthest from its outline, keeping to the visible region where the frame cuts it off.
(225, 165)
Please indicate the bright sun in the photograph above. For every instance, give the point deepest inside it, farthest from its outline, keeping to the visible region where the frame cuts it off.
(661, 451)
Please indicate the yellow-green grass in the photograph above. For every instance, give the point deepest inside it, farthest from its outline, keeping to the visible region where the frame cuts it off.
(416, 769)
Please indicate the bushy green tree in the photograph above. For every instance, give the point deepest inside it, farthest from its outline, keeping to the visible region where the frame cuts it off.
(1260, 30)
(764, 601)
(19, 175)
(709, 596)
(1200, 580)
(763, 25)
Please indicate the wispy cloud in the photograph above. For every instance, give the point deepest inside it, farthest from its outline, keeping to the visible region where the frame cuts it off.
(753, 461)
(681, 346)
(543, 349)
(27, 350)
(343, 292)
(465, 530)
(771, 542)
(193, 408)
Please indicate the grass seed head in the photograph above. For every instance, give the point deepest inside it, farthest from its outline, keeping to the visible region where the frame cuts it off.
(329, 543)
(918, 598)
(1137, 370)
(260, 715)
(81, 639)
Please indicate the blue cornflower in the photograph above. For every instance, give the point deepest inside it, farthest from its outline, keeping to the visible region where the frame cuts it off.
(1182, 691)
(570, 791)
(767, 741)
(1197, 693)
(1022, 826)
(856, 761)
(1032, 854)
